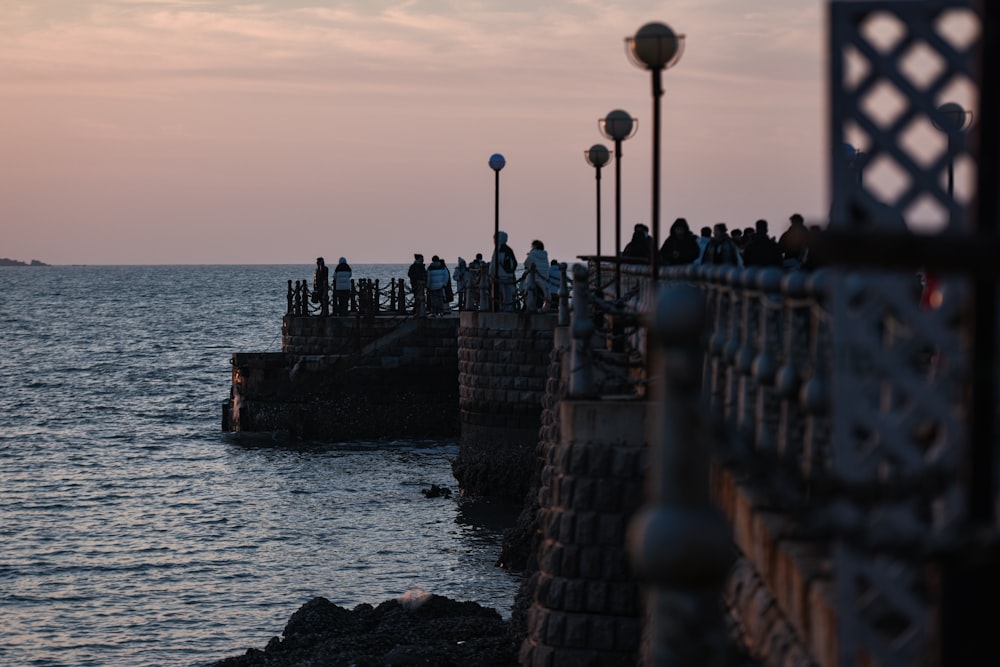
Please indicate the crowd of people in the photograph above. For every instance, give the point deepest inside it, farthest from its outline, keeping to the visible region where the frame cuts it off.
(752, 246)
(494, 285)
(486, 285)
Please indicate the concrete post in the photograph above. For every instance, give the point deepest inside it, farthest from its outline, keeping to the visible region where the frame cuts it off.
(581, 363)
(680, 544)
(563, 296)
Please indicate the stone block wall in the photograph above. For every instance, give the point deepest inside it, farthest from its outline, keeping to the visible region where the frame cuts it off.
(586, 604)
(343, 378)
(503, 363)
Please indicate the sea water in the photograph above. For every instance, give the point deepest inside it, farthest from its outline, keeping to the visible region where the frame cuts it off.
(134, 532)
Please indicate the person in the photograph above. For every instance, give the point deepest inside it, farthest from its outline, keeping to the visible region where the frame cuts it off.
(437, 278)
(418, 284)
(737, 236)
(535, 276)
(321, 287)
(461, 282)
(342, 286)
(761, 250)
(477, 271)
(810, 258)
(681, 247)
(638, 247)
(503, 273)
(703, 240)
(721, 249)
(555, 280)
(793, 242)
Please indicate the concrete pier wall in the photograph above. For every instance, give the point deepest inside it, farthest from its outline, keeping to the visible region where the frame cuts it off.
(342, 378)
(585, 602)
(503, 361)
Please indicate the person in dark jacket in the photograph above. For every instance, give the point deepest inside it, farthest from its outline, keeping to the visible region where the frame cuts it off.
(342, 287)
(638, 247)
(762, 250)
(681, 247)
(721, 249)
(793, 242)
(321, 286)
(418, 284)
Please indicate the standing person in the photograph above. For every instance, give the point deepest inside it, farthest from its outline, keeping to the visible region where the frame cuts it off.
(321, 287)
(721, 249)
(703, 240)
(535, 276)
(638, 246)
(342, 286)
(477, 270)
(504, 273)
(762, 250)
(681, 247)
(461, 282)
(418, 284)
(437, 278)
(793, 243)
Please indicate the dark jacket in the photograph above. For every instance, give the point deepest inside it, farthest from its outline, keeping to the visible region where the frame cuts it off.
(680, 249)
(638, 247)
(417, 273)
(762, 251)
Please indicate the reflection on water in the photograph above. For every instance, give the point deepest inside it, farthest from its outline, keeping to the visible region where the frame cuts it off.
(133, 532)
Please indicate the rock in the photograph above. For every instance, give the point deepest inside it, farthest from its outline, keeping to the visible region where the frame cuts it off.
(436, 492)
(440, 631)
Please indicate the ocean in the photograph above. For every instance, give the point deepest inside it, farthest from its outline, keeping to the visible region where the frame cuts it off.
(134, 532)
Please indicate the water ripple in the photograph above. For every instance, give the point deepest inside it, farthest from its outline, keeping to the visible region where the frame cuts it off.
(132, 532)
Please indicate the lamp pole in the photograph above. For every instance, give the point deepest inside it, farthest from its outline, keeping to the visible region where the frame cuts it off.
(618, 126)
(497, 163)
(952, 118)
(655, 47)
(598, 155)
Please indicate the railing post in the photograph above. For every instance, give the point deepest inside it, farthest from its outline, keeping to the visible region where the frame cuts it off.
(563, 296)
(680, 544)
(581, 362)
(290, 297)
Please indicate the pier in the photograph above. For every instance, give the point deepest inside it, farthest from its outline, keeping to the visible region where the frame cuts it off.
(721, 464)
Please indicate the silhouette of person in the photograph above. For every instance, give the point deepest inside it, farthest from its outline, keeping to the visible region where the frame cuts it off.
(321, 287)
(342, 286)
(638, 247)
(680, 247)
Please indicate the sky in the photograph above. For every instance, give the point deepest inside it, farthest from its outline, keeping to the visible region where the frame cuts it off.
(274, 131)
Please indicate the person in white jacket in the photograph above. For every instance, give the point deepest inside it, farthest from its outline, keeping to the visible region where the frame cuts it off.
(535, 276)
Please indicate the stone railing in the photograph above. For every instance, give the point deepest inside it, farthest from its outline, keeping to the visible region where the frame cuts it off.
(754, 395)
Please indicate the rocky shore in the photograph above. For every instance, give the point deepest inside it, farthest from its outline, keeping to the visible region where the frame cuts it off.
(417, 629)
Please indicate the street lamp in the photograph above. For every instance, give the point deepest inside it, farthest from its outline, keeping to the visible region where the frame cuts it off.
(655, 47)
(598, 156)
(952, 118)
(497, 163)
(618, 126)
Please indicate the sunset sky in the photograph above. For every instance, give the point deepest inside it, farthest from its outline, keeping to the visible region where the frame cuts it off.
(273, 131)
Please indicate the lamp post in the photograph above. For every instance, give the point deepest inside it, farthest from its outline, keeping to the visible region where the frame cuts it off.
(497, 163)
(655, 47)
(951, 119)
(598, 156)
(618, 126)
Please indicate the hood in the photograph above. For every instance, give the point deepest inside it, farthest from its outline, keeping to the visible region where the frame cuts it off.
(501, 238)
